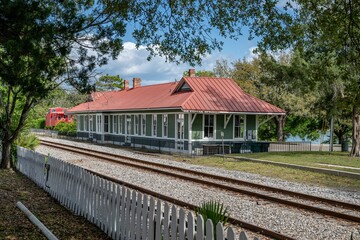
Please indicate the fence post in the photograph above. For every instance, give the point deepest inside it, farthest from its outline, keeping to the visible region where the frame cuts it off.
(118, 211)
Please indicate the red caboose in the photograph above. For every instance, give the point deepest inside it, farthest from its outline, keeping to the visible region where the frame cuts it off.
(56, 115)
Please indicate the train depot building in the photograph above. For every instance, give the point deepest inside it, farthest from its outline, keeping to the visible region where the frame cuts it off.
(196, 115)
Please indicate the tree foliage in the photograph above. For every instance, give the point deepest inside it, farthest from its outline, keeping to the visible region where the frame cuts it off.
(326, 32)
(200, 73)
(44, 43)
(280, 80)
(66, 128)
(109, 83)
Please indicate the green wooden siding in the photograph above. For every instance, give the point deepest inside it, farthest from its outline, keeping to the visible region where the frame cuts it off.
(94, 123)
(81, 123)
(171, 125)
(123, 124)
(139, 124)
(159, 125)
(132, 125)
(186, 126)
(250, 122)
(228, 131)
(110, 124)
(148, 124)
(197, 126)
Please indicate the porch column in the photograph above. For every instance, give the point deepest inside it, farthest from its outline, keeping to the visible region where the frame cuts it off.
(190, 133)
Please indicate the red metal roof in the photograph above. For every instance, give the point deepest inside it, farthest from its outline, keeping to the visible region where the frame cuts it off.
(207, 94)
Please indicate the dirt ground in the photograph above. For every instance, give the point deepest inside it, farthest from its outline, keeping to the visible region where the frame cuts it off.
(14, 224)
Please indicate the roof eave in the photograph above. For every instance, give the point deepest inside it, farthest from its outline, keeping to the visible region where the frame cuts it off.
(226, 112)
(125, 110)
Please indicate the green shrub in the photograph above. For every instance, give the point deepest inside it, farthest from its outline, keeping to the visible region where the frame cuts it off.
(41, 123)
(64, 128)
(38, 123)
(215, 211)
(26, 140)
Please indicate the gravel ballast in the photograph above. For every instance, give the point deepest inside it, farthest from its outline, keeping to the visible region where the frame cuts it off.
(296, 223)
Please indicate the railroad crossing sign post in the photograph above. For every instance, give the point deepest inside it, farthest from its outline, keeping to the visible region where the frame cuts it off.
(223, 148)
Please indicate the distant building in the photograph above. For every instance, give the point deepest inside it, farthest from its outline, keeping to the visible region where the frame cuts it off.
(56, 115)
(181, 116)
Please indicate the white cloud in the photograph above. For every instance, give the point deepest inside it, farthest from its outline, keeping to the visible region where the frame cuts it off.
(132, 63)
(250, 55)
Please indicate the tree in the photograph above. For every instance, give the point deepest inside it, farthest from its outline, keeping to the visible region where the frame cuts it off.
(109, 83)
(327, 28)
(200, 73)
(59, 97)
(284, 83)
(280, 81)
(44, 43)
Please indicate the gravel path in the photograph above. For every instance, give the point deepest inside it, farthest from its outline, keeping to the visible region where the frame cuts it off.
(299, 224)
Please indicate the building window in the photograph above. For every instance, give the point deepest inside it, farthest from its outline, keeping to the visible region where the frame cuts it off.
(86, 123)
(136, 128)
(121, 124)
(81, 123)
(98, 123)
(91, 126)
(165, 125)
(239, 126)
(143, 124)
(209, 126)
(128, 124)
(106, 123)
(180, 126)
(154, 124)
(115, 124)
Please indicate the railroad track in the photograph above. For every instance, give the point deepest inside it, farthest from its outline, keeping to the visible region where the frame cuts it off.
(332, 207)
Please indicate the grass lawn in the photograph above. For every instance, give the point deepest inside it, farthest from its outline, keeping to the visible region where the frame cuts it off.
(15, 225)
(312, 159)
(288, 174)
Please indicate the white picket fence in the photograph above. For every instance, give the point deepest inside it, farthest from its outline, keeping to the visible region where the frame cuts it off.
(118, 211)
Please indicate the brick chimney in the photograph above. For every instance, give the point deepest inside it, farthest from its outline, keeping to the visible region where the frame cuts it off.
(192, 72)
(136, 82)
(126, 84)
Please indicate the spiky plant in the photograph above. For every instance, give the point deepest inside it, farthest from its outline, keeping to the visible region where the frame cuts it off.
(215, 211)
(26, 140)
(29, 141)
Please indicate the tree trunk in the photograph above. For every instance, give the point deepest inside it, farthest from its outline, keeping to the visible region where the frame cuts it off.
(5, 155)
(355, 150)
(280, 123)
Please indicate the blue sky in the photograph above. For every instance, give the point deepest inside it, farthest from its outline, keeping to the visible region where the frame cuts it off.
(132, 62)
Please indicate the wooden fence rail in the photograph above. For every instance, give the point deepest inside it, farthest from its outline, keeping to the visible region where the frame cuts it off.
(120, 212)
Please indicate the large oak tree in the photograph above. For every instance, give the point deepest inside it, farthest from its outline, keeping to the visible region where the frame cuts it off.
(44, 43)
(326, 29)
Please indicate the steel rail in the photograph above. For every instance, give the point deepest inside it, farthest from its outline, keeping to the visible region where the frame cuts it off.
(243, 224)
(100, 154)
